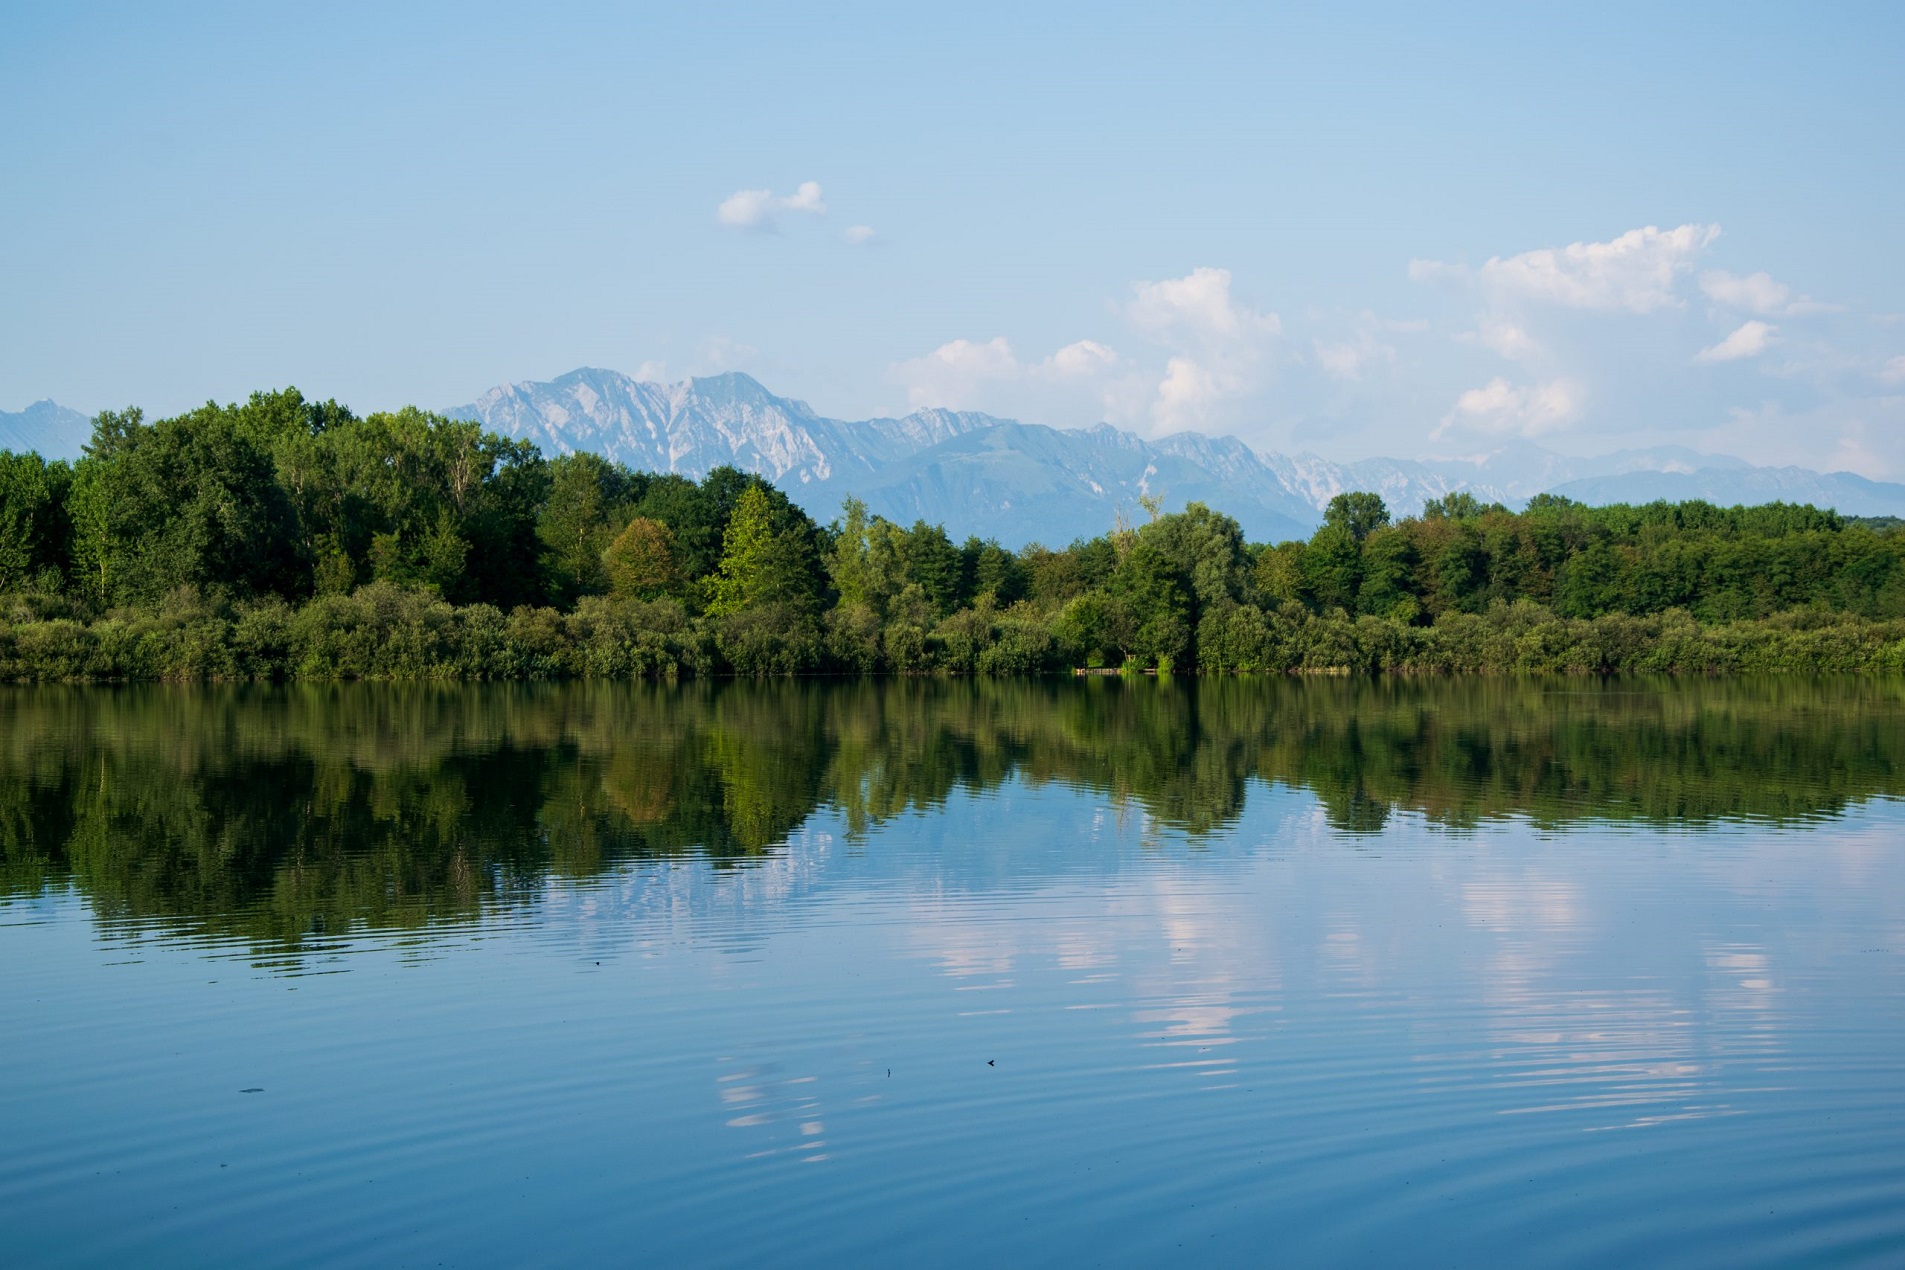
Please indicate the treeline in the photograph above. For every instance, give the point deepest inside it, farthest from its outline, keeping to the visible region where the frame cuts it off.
(288, 538)
(285, 814)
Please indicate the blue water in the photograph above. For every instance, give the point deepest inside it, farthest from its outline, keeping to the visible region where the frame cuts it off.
(1038, 1012)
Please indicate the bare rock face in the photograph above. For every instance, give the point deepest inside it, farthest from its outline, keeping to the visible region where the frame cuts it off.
(1019, 482)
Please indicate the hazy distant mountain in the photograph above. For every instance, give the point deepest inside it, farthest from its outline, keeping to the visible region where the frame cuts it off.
(47, 427)
(1019, 482)
(1854, 495)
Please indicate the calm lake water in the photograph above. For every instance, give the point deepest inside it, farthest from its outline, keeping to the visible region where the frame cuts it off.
(954, 973)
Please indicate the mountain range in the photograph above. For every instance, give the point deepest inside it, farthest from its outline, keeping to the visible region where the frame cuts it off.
(1022, 482)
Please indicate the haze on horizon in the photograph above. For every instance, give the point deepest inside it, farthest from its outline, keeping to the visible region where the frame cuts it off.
(1367, 230)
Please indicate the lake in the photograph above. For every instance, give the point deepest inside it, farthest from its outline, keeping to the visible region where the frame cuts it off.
(945, 972)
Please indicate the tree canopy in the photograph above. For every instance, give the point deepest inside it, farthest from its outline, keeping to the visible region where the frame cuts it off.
(279, 500)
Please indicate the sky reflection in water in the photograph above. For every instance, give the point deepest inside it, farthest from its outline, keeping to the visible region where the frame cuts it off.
(1338, 972)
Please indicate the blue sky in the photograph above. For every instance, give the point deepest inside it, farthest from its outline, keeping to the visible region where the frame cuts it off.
(1354, 229)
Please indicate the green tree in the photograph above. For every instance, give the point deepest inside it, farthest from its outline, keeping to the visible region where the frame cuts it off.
(35, 531)
(1161, 606)
(189, 501)
(1333, 567)
(1359, 512)
(640, 563)
(766, 559)
(577, 521)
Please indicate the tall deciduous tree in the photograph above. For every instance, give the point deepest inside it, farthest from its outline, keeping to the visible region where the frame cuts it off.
(766, 559)
(640, 563)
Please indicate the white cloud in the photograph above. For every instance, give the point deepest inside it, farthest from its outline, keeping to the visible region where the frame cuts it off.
(1757, 293)
(1084, 382)
(652, 372)
(1083, 359)
(1894, 371)
(1365, 347)
(1199, 307)
(1217, 346)
(806, 198)
(755, 209)
(1189, 391)
(1843, 434)
(1346, 359)
(954, 374)
(1499, 408)
(1749, 340)
(747, 209)
(1504, 338)
(860, 235)
(1639, 271)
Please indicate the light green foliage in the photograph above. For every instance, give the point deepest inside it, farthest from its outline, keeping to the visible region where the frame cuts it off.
(767, 558)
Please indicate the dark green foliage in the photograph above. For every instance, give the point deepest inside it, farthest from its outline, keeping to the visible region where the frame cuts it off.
(283, 537)
(1357, 511)
(580, 517)
(35, 523)
(192, 501)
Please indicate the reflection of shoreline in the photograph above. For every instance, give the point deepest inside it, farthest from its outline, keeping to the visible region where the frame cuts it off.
(292, 814)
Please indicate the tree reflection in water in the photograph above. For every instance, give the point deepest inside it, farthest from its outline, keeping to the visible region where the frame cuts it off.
(280, 815)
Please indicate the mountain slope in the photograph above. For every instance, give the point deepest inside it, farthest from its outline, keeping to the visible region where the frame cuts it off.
(1018, 482)
(700, 424)
(1854, 495)
(1021, 482)
(47, 427)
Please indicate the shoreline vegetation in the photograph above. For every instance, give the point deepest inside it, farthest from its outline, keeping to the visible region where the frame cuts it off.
(282, 538)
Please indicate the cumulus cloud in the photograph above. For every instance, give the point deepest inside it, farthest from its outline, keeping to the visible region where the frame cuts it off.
(1344, 360)
(1080, 360)
(1217, 345)
(1368, 346)
(1750, 339)
(756, 209)
(1347, 359)
(1639, 271)
(1505, 339)
(860, 235)
(1198, 307)
(1757, 293)
(806, 198)
(1084, 382)
(1501, 409)
(1189, 391)
(952, 374)
(1212, 353)
(965, 374)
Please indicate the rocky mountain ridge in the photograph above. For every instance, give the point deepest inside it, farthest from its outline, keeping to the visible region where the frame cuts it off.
(1021, 482)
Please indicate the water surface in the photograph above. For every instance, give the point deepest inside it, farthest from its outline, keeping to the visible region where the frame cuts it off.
(954, 973)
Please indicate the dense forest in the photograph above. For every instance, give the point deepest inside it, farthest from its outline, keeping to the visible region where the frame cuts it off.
(287, 538)
(293, 814)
